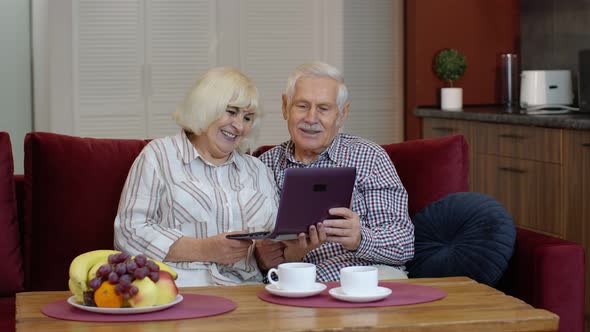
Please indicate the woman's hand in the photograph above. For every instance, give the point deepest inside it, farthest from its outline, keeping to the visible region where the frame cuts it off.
(269, 254)
(221, 250)
(297, 249)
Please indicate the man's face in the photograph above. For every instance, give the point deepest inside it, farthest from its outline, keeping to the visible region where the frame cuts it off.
(312, 117)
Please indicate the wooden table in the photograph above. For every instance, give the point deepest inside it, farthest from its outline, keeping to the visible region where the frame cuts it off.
(469, 306)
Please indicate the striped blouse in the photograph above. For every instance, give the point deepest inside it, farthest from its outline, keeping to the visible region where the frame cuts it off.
(380, 200)
(172, 192)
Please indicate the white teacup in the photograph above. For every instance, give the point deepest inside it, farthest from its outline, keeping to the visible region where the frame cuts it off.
(293, 276)
(359, 280)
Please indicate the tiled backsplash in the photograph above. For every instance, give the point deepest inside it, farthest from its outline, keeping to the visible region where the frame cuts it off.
(552, 33)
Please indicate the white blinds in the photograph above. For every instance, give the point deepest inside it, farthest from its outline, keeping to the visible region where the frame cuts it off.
(276, 37)
(108, 58)
(178, 49)
(133, 60)
(372, 58)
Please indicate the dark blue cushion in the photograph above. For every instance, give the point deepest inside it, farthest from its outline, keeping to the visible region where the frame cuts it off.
(463, 234)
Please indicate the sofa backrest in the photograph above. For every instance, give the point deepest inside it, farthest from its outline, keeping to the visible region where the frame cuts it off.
(11, 277)
(72, 190)
(430, 169)
(73, 186)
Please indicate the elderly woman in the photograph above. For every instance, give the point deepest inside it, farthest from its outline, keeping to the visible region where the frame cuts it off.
(185, 193)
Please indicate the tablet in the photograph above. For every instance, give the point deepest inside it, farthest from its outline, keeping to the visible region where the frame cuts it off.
(307, 195)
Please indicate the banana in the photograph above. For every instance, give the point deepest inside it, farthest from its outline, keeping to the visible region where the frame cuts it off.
(83, 268)
(95, 267)
(80, 267)
(78, 292)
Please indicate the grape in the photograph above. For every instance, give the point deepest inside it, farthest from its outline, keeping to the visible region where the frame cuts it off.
(131, 266)
(113, 278)
(152, 266)
(104, 270)
(123, 257)
(155, 276)
(141, 272)
(95, 283)
(121, 269)
(125, 280)
(140, 260)
(113, 259)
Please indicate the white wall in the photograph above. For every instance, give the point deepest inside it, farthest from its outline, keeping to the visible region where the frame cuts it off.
(15, 75)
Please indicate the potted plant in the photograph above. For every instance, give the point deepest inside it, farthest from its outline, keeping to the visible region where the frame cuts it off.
(449, 66)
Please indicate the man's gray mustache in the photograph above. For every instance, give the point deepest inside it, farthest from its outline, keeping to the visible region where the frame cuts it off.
(315, 127)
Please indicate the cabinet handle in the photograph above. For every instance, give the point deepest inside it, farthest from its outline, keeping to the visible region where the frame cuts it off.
(447, 129)
(513, 136)
(586, 145)
(512, 170)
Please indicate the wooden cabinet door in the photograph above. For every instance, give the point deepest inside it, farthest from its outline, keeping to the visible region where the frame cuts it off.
(432, 128)
(529, 190)
(443, 127)
(576, 160)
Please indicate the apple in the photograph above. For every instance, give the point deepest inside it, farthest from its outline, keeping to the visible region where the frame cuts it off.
(167, 289)
(147, 294)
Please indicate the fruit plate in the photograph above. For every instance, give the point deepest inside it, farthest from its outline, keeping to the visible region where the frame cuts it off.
(124, 311)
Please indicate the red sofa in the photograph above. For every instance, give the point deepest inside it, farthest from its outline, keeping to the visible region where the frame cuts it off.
(72, 187)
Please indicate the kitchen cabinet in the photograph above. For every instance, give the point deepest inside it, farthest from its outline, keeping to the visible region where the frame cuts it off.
(576, 200)
(520, 166)
(541, 174)
(442, 127)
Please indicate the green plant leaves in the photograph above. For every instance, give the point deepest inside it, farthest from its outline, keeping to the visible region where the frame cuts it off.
(449, 65)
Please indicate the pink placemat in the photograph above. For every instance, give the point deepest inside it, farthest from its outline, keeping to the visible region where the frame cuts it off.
(192, 306)
(402, 294)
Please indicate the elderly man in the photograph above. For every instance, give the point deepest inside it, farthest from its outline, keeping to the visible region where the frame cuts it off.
(378, 230)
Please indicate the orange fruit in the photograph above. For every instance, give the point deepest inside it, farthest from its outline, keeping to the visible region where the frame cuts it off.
(106, 297)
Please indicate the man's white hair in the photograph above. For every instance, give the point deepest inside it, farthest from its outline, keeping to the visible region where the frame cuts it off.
(318, 69)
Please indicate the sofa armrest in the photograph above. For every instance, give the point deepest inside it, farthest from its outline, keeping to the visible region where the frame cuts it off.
(19, 188)
(548, 273)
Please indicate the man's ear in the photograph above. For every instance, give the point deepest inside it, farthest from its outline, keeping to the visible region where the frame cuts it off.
(344, 115)
(285, 107)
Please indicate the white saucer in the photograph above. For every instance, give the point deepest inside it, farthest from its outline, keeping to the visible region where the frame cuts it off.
(380, 293)
(124, 311)
(275, 290)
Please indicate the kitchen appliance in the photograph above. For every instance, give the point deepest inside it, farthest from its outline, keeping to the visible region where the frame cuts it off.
(546, 89)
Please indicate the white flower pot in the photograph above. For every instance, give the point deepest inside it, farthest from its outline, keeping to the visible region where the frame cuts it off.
(451, 99)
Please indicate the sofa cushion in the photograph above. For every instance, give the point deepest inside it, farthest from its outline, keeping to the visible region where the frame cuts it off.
(11, 278)
(463, 234)
(72, 190)
(430, 169)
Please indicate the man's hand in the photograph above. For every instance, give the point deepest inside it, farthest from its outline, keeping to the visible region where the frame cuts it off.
(297, 249)
(346, 231)
(269, 254)
(219, 249)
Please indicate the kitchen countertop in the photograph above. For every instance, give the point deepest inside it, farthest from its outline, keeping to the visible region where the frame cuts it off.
(497, 114)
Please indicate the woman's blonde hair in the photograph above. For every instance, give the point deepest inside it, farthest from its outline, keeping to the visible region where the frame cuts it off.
(209, 98)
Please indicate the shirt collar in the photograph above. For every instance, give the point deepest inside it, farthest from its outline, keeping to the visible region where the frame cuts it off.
(188, 152)
(331, 153)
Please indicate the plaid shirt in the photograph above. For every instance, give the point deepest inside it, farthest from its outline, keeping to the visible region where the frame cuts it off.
(380, 200)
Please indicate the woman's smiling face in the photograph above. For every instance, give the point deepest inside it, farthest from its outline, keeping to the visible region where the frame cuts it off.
(225, 134)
